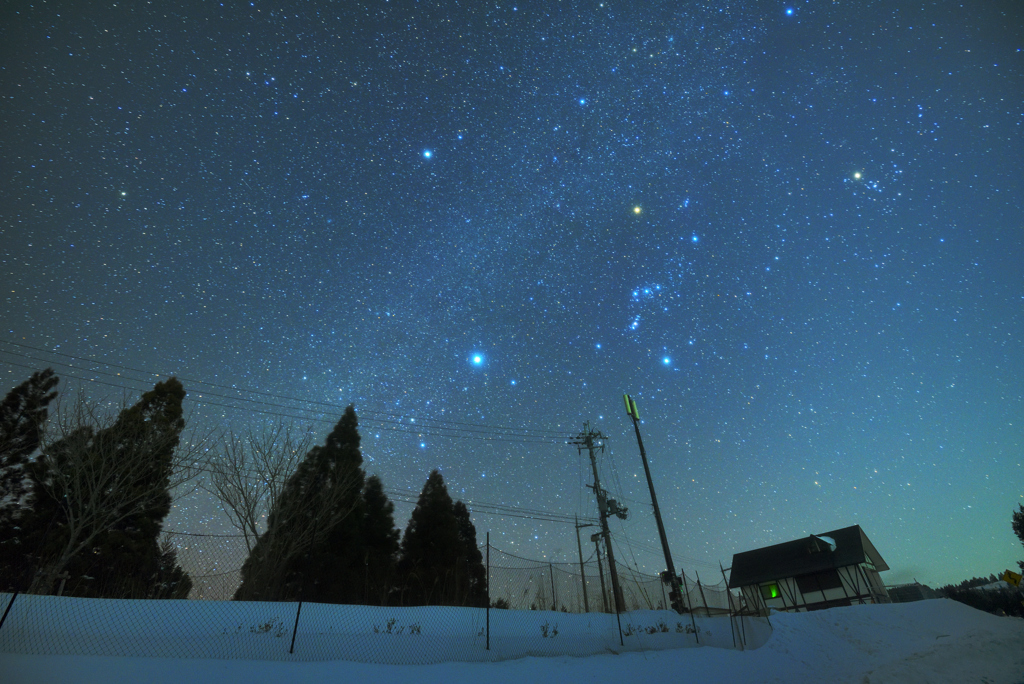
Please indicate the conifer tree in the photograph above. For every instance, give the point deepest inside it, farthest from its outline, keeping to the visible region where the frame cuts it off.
(23, 414)
(475, 589)
(171, 581)
(380, 541)
(1018, 528)
(312, 547)
(436, 564)
(101, 494)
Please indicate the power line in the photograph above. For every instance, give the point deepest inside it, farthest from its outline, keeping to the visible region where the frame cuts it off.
(390, 425)
(387, 416)
(412, 497)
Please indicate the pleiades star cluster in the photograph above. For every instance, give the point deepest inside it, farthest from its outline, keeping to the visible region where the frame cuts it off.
(793, 232)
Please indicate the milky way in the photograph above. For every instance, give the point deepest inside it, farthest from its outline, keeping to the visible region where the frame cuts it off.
(792, 232)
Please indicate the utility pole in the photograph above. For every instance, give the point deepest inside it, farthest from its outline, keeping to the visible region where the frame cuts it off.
(583, 574)
(600, 571)
(675, 595)
(604, 507)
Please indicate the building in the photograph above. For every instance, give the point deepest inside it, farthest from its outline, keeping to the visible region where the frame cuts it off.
(837, 568)
(905, 593)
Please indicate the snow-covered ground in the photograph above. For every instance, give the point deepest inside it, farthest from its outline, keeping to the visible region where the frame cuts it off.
(927, 641)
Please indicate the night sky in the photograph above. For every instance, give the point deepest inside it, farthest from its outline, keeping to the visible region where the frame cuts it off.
(793, 232)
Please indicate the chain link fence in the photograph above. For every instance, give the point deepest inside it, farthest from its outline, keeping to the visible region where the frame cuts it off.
(536, 608)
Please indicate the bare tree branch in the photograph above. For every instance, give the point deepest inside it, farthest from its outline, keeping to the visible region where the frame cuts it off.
(307, 525)
(98, 479)
(250, 473)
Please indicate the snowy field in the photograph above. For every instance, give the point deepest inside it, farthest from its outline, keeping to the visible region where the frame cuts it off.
(928, 641)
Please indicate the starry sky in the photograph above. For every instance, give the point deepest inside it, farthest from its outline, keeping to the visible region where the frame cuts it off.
(793, 232)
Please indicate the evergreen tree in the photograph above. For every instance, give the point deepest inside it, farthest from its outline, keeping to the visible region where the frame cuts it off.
(1018, 528)
(171, 582)
(312, 549)
(380, 540)
(23, 414)
(102, 494)
(475, 591)
(436, 564)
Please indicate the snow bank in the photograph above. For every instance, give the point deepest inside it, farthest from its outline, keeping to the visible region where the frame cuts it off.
(934, 641)
(51, 625)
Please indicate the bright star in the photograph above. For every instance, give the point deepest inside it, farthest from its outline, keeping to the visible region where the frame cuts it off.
(427, 154)
(637, 210)
(666, 360)
(583, 101)
(694, 238)
(856, 175)
(789, 11)
(477, 359)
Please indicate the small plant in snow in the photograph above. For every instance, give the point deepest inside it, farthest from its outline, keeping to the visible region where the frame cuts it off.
(265, 627)
(660, 627)
(630, 630)
(547, 630)
(389, 628)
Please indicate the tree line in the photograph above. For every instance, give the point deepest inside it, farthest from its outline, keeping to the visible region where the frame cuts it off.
(330, 534)
(83, 497)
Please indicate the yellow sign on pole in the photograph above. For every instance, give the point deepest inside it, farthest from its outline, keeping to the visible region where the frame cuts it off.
(1012, 578)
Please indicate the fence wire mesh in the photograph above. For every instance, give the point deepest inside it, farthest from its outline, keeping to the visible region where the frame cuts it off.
(537, 608)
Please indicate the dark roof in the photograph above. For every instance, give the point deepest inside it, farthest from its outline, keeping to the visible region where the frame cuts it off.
(906, 593)
(803, 556)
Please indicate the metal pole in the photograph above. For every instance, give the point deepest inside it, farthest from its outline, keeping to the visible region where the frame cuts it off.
(674, 594)
(587, 437)
(692, 621)
(703, 598)
(487, 585)
(295, 629)
(8, 610)
(305, 569)
(600, 572)
(728, 595)
(583, 574)
(554, 598)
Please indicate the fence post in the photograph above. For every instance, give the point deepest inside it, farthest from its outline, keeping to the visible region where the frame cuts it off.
(487, 585)
(693, 622)
(554, 597)
(728, 596)
(295, 628)
(702, 597)
(8, 610)
(583, 572)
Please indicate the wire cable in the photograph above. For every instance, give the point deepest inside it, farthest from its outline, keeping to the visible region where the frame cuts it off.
(387, 416)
